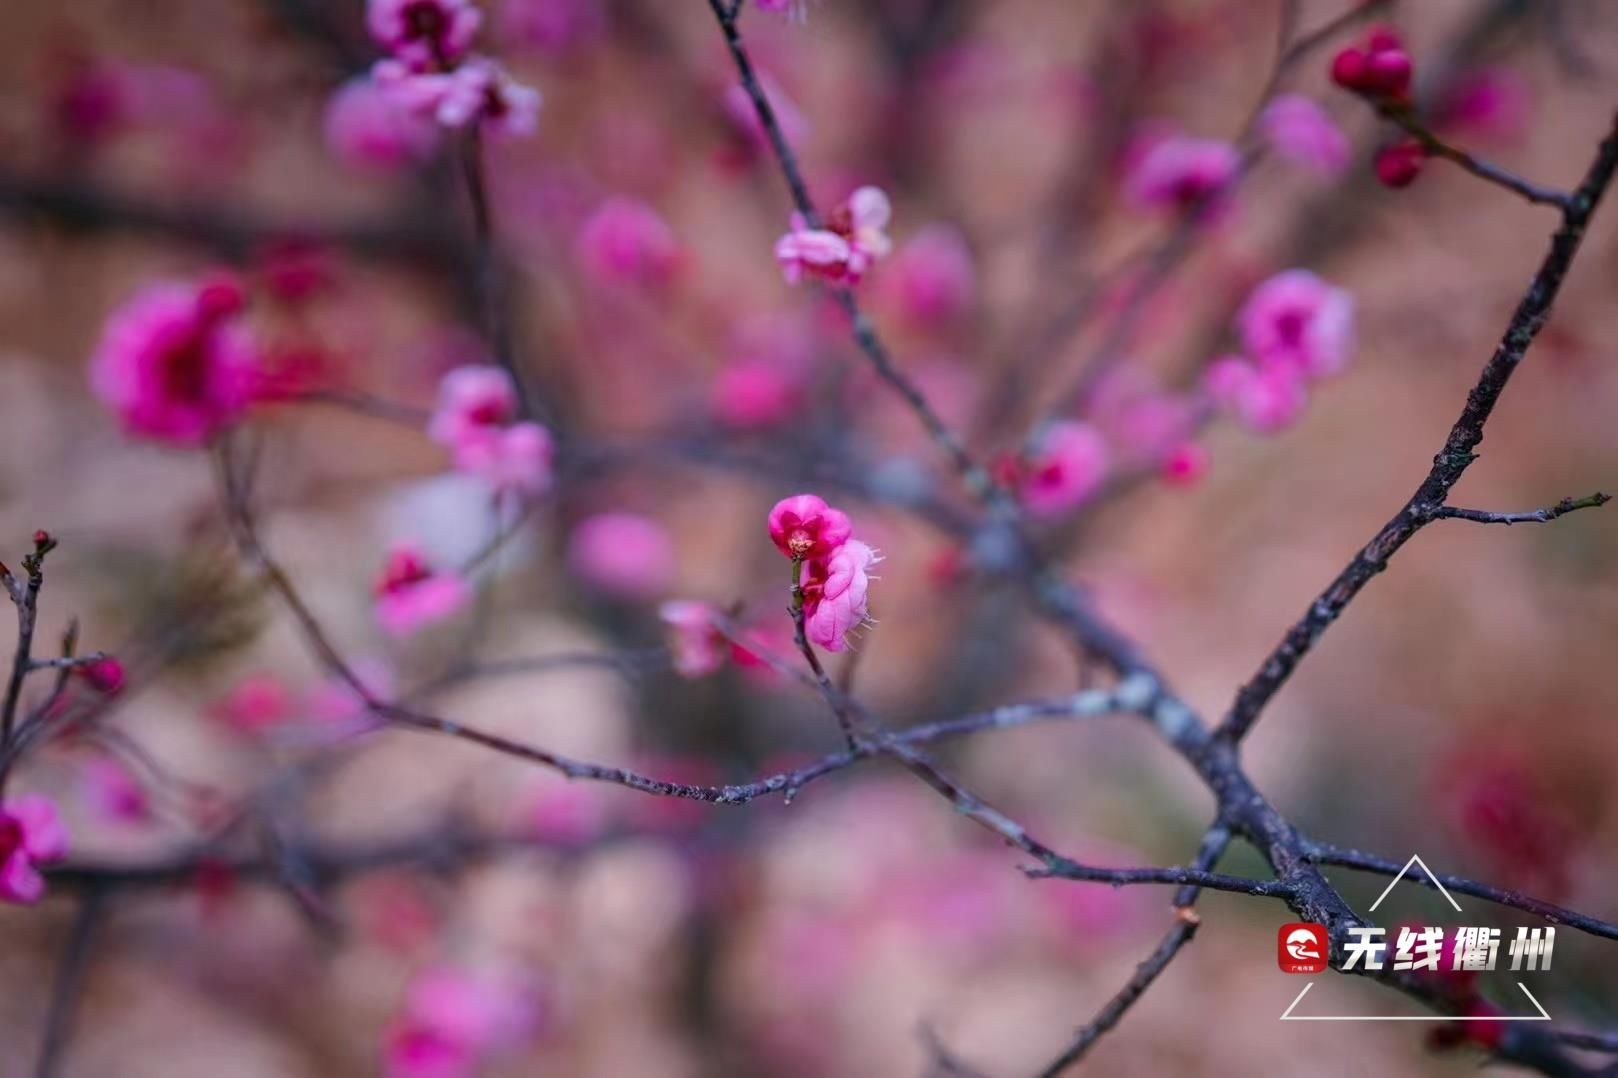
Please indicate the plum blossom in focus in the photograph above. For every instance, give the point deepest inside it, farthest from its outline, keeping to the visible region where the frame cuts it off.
(175, 363)
(626, 240)
(842, 252)
(1298, 321)
(474, 420)
(804, 526)
(625, 555)
(410, 595)
(1302, 132)
(695, 641)
(1066, 468)
(424, 34)
(835, 594)
(1181, 172)
(31, 834)
(369, 129)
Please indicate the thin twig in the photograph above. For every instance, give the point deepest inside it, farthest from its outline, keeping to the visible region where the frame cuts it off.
(1532, 516)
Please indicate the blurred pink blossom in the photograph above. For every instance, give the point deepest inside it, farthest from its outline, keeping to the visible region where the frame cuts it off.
(369, 129)
(31, 834)
(1492, 103)
(804, 526)
(1265, 400)
(931, 278)
(695, 640)
(1066, 468)
(424, 33)
(626, 240)
(842, 252)
(174, 362)
(1302, 132)
(112, 793)
(410, 595)
(453, 1020)
(255, 703)
(836, 593)
(1297, 321)
(1142, 421)
(625, 555)
(1186, 464)
(472, 401)
(1180, 172)
(516, 459)
(479, 90)
(566, 813)
(754, 394)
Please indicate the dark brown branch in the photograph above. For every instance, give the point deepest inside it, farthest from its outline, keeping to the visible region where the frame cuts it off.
(1532, 516)
(69, 984)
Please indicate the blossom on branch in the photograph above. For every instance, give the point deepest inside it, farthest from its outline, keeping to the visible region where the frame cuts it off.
(804, 527)
(1302, 132)
(1298, 321)
(410, 595)
(1182, 173)
(31, 834)
(695, 640)
(474, 420)
(835, 594)
(424, 33)
(1067, 467)
(843, 251)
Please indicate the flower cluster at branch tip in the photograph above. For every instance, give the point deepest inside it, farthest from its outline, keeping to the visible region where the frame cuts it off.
(431, 72)
(454, 1021)
(1295, 329)
(411, 595)
(175, 362)
(31, 834)
(476, 420)
(1171, 170)
(1380, 70)
(832, 569)
(1301, 131)
(842, 252)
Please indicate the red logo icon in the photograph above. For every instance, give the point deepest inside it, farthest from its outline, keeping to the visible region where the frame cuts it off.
(1301, 947)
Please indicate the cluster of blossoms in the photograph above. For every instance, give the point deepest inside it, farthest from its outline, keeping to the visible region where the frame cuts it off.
(476, 420)
(842, 252)
(1295, 329)
(1380, 70)
(31, 834)
(176, 363)
(832, 568)
(431, 71)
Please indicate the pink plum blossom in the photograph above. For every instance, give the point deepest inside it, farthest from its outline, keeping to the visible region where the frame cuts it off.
(410, 595)
(112, 793)
(516, 459)
(174, 362)
(625, 555)
(255, 703)
(567, 813)
(843, 251)
(1296, 320)
(553, 26)
(31, 834)
(1067, 467)
(835, 594)
(753, 394)
(1302, 132)
(804, 526)
(1492, 102)
(369, 129)
(1181, 172)
(1141, 420)
(472, 401)
(695, 640)
(626, 240)
(931, 277)
(1265, 400)
(424, 33)
(1185, 464)
(452, 1021)
(479, 90)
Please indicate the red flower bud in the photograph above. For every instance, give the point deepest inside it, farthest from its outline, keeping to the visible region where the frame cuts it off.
(1383, 38)
(1387, 73)
(105, 675)
(42, 537)
(219, 297)
(1398, 165)
(1348, 69)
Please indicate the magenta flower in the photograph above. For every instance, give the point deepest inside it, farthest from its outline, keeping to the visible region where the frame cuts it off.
(424, 33)
(804, 526)
(835, 594)
(553, 26)
(410, 595)
(852, 241)
(472, 401)
(1265, 400)
(369, 129)
(1067, 468)
(517, 459)
(31, 834)
(1302, 132)
(175, 364)
(626, 240)
(1296, 320)
(754, 394)
(1492, 102)
(255, 704)
(695, 639)
(478, 91)
(931, 278)
(453, 1021)
(1180, 172)
(625, 555)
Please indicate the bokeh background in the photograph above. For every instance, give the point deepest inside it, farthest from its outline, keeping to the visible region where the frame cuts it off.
(1461, 710)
